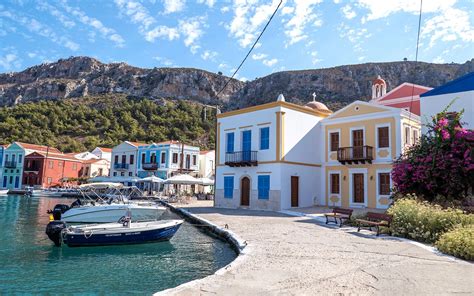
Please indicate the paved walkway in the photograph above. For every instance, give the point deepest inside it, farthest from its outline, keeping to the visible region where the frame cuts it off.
(300, 256)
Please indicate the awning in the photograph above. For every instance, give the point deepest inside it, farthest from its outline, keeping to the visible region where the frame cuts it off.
(151, 179)
(206, 181)
(183, 179)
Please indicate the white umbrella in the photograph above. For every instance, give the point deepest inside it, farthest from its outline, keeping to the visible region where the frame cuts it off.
(183, 179)
(206, 181)
(99, 179)
(152, 179)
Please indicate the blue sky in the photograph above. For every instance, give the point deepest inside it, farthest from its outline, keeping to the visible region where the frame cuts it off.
(216, 34)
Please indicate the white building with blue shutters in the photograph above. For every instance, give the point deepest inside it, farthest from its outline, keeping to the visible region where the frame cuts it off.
(266, 156)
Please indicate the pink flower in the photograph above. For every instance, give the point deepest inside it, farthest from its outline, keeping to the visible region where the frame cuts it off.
(443, 122)
(445, 134)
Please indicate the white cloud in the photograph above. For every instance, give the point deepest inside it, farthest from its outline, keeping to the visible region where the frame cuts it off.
(223, 66)
(137, 13)
(172, 6)
(164, 61)
(67, 22)
(209, 3)
(40, 29)
(270, 62)
(287, 10)
(451, 25)
(438, 60)
(209, 55)
(162, 32)
(191, 29)
(106, 32)
(303, 15)
(315, 57)
(31, 55)
(354, 35)
(360, 59)
(225, 9)
(9, 61)
(259, 56)
(348, 12)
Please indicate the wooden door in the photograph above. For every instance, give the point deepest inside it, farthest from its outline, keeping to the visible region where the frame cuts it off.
(358, 188)
(245, 192)
(294, 191)
(358, 143)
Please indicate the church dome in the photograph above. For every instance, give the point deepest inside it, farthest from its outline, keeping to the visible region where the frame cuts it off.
(317, 106)
(378, 80)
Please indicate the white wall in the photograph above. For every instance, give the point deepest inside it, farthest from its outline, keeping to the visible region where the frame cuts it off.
(309, 184)
(432, 105)
(124, 149)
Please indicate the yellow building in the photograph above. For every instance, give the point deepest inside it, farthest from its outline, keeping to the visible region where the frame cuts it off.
(361, 142)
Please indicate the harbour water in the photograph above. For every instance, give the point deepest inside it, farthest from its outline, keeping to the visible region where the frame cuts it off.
(30, 264)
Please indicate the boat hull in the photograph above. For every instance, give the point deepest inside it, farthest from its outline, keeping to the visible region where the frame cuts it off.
(123, 236)
(111, 213)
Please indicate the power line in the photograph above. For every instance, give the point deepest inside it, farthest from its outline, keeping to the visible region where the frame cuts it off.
(255, 43)
(416, 58)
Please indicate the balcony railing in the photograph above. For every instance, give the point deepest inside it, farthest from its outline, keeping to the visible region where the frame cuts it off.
(355, 154)
(10, 164)
(31, 169)
(150, 166)
(121, 166)
(241, 158)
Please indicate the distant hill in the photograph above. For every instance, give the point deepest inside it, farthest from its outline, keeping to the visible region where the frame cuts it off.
(78, 77)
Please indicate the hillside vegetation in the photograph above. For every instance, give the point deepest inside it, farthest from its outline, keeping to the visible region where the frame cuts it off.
(80, 124)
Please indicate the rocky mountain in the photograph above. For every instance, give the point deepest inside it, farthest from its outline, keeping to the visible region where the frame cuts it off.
(337, 86)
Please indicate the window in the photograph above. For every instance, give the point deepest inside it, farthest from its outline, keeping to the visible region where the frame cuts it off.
(194, 160)
(263, 187)
(229, 143)
(143, 158)
(6, 158)
(130, 174)
(334, 141)
(132, 158)
(116, 159)
(122, 174)
(175, 157)
(415, 136)
(74, 166)
(407, 135)
(383, 137)
(115, 174)
(264, 138)
(384, 183)
(335, 184)
(11, 179)
(101, 171)
(20, 158)
(50, 164)
(124, 158)
(228, 186)
(153, 158)
(50, 180)
(163, 157)
(60, 163)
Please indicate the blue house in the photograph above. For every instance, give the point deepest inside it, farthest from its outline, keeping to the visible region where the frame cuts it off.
(166, 159)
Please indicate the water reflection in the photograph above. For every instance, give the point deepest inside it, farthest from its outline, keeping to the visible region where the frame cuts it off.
(140, 269)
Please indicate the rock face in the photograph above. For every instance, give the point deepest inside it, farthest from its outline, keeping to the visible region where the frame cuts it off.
(84, 76)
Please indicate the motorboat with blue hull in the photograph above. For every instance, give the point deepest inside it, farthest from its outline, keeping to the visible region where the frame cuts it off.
(122, 233)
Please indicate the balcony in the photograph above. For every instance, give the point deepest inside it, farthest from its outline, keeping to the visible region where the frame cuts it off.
(121, 166)
(150, 166)
(241, 158)
(33, 169)
(355, 155)
(10, 164)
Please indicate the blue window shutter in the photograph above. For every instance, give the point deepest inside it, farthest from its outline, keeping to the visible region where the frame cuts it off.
(228, 186)
(230, 143)
(263, 186)
(264, 138)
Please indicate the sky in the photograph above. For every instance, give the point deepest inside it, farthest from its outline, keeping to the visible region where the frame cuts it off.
(215, 35)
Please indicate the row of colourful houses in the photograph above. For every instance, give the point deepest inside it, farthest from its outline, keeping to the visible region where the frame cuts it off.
(280, 155)
(24, 164)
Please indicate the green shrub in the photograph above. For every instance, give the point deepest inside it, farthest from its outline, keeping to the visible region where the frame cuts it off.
(458, 242)
(423, 221)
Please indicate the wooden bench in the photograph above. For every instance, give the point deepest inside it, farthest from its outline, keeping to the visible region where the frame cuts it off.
(376, 220)
(339, 213)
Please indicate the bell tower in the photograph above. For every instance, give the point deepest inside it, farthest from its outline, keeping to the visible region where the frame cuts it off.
(379, 88)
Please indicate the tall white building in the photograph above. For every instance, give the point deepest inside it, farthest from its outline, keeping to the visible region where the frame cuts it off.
(124, 159)
(266, 156)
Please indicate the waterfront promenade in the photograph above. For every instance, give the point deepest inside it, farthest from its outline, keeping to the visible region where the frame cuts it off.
(289, 255)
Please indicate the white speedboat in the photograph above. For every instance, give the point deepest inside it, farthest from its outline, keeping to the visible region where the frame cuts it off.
(4, 192)
(47, 192)
(102, 203)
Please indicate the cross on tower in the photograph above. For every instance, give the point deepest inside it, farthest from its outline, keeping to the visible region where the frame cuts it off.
(314, 97)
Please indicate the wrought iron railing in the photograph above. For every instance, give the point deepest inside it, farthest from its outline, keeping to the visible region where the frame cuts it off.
(241, 158)
(150, 166)
(355, 154)
(10, 164)
(121, 166)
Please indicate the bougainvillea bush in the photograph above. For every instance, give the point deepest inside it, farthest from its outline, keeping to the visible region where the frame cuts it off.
(440, 164)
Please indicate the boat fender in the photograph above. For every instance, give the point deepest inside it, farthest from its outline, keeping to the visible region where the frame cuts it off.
(54, 230)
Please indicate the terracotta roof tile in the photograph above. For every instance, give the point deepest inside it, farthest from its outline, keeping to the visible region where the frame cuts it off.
(38, 147)
(105, 149)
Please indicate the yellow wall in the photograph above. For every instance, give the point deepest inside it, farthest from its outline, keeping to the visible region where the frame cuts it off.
(361, 110)
(370, 138)
(345, 190)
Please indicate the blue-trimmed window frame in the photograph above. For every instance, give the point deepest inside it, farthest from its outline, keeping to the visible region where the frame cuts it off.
(263, 186)
(229, 142)
(228, 186)
(264, 138)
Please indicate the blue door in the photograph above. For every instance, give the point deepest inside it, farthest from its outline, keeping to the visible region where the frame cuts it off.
(17, 181)
(246, 145)
(4, 182)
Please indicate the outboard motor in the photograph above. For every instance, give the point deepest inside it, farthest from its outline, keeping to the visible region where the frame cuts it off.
(58, 210)
(54, 229)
